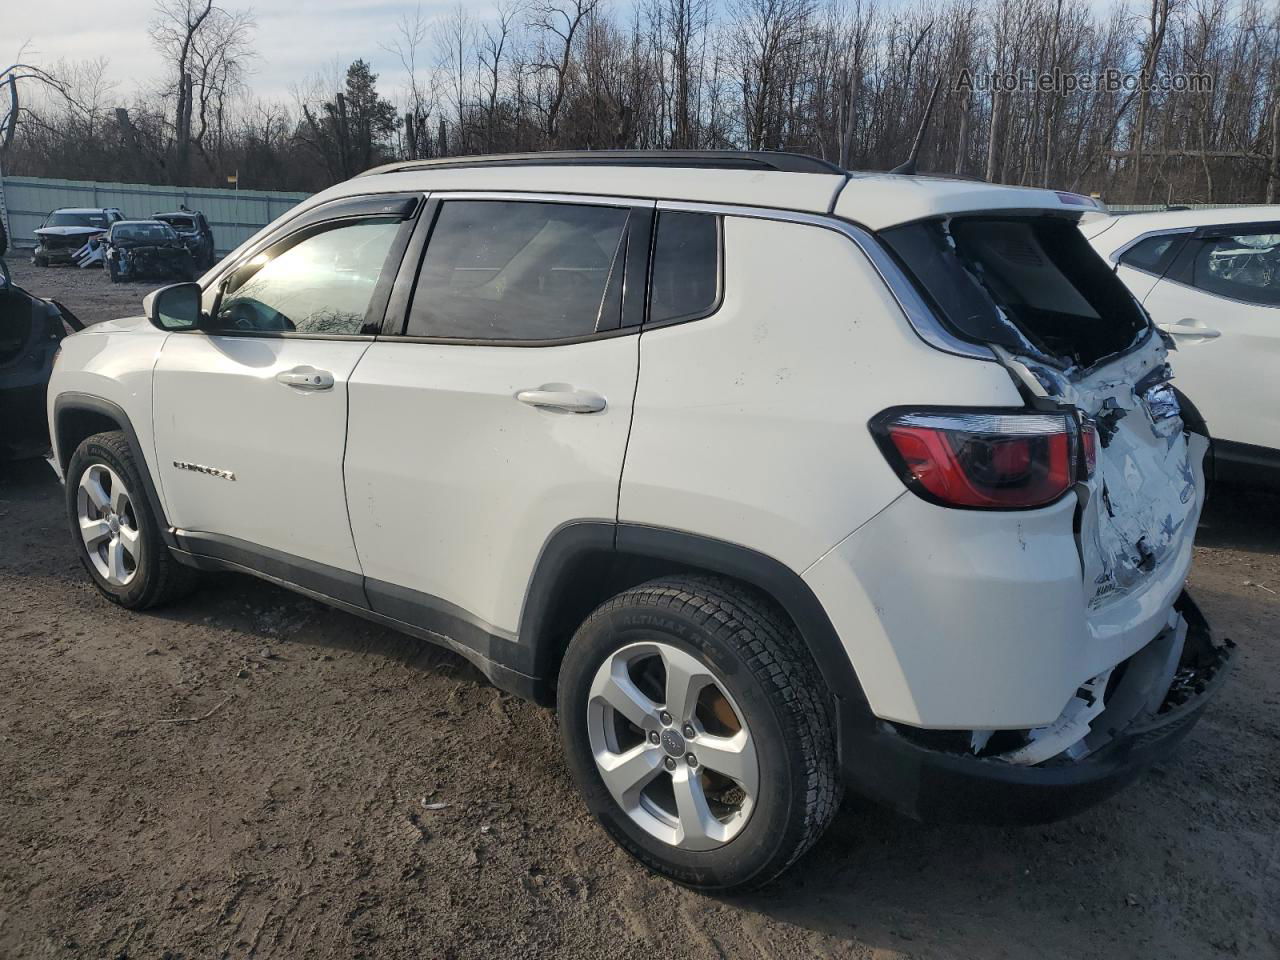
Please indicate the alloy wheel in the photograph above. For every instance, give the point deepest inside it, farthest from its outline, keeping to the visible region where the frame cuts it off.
(108, 524)
(671, 746)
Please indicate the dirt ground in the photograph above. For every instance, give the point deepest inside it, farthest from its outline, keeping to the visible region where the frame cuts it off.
(296, 814)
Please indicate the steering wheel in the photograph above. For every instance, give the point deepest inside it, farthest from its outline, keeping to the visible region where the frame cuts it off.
(252, 315)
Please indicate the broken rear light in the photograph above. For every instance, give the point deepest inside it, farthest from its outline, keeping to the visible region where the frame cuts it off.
(991, 460)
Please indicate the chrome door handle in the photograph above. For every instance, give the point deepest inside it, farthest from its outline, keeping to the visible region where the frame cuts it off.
(1188, 328)
(555, 396)
(306, 378)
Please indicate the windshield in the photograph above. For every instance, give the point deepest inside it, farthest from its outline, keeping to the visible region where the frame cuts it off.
(63, 218)
(180, 223)
(1021, 282)
(154, 232)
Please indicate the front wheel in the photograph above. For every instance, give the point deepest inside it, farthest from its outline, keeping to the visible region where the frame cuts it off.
(114, 529)
(699, 730)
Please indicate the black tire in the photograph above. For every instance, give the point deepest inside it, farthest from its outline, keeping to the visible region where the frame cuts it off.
(158, 578)
(763, 664)
(40, 261)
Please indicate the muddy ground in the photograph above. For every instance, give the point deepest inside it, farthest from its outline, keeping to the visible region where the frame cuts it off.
(289, 817)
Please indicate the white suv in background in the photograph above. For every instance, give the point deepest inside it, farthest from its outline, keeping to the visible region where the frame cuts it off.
(772, 477)
(1211, 280)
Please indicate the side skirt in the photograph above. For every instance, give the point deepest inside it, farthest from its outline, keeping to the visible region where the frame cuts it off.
(500, 675)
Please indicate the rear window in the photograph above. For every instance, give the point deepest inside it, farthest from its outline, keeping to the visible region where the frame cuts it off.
(1014, 281)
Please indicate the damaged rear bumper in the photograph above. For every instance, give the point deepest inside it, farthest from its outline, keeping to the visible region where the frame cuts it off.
(935, 783)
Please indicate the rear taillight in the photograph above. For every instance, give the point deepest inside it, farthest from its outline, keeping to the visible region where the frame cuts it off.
(986, 460)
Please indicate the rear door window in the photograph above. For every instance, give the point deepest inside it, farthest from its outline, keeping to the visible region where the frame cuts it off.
(1244, 267)
(520, 270)
(1022, 282)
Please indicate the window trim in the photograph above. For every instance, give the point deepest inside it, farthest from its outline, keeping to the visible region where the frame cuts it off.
(320, 219)
(717, 303)
(411, 266)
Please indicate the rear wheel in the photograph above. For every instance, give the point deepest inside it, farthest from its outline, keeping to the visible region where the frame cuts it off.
(40, 261)
(698, 729)
(114, 529)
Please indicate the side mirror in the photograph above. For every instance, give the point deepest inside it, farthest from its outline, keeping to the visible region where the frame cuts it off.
(175, 307)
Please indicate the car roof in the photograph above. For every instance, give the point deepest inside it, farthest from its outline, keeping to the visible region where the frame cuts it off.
(1111, 233)
(84, 209)
(140, 223)
(739, 178)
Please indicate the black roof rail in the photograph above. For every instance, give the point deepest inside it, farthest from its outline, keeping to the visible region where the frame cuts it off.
(701, 159)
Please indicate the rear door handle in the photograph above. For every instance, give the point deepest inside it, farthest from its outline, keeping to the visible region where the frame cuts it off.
(558, 396)
(1190, 328)
(306, 378)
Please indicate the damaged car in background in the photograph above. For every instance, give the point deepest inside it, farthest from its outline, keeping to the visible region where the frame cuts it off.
(71, 234)
(146, 250)
(196, 234)
(31, 332)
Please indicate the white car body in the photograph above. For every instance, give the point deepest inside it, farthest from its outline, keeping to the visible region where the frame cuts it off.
(1226, 329)
(418, 489)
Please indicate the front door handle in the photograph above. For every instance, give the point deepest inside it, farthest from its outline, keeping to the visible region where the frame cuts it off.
(306, 378)
(1190, 328)
(561, 396)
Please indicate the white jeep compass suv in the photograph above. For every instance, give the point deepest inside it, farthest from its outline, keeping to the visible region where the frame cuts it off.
(774, 478)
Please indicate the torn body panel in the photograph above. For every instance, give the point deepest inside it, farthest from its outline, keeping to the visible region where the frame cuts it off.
(1143, 501)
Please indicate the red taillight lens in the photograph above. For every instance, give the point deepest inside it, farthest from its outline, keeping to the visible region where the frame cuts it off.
(1089, 447)
(995, 461)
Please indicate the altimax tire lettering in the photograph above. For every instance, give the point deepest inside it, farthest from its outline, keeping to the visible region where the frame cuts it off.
(200, 468)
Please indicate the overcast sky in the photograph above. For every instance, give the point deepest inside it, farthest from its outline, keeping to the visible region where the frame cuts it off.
(293, 40)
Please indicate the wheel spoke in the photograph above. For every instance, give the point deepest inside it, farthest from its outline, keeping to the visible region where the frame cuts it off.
(618, 690)
(91, 484)
(685, 680)
(94, 531)
(696, 820)
(730, 756)
(119, 497)
(129, 538)
(116, 571)
(626, 774)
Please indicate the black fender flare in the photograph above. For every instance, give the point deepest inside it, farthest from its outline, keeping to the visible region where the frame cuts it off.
(72, 402)
(573, 543)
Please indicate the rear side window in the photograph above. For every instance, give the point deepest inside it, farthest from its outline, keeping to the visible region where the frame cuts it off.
(686, 267)
(1244, 267)
(1153, 254)
(1020, 281)
(516, 270)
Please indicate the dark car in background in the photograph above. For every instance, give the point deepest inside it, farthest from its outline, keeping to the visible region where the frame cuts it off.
(147, 250)
(65, 231)
(196, 234)
(31, 331)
